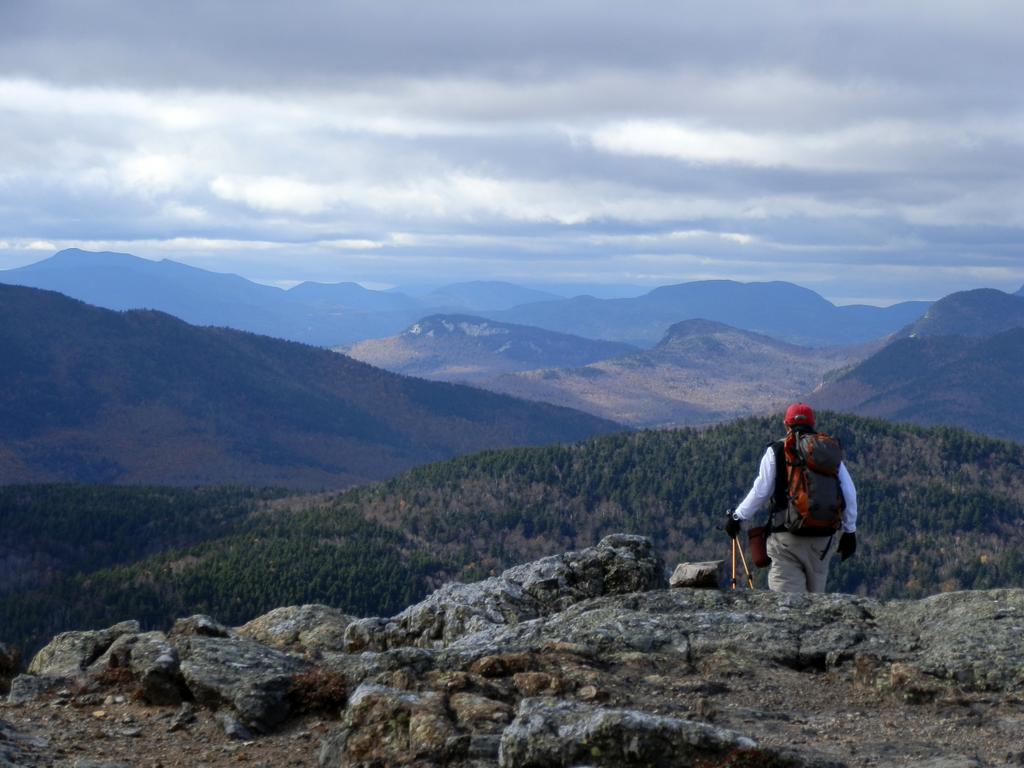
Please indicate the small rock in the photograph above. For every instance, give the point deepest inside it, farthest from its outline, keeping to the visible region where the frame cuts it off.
(915, 686)
(589, 693)
(706, 575)
(184, 717)
(471, 710)
(199, 625)
(503, 665)
(534, 683)
(484, 747)
(233, 727)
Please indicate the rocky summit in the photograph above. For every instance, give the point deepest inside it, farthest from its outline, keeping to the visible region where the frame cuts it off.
(583, 659)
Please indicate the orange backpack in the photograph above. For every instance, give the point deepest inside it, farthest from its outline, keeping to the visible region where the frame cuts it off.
(815, 498)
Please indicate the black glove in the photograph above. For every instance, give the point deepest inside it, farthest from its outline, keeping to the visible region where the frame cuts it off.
(847, 545)
(732, 525)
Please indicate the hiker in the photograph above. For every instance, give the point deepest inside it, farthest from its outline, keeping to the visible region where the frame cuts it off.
(809, 501)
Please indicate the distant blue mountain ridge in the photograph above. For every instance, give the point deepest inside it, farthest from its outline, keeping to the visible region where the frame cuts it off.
(778, 309)
(342, 313)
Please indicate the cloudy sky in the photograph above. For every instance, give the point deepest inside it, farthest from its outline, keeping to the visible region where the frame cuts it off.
(872, 151)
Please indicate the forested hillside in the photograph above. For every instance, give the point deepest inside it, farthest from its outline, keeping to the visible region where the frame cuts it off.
(54, 530)
(976, 383)
(91, 395)
(940, 510)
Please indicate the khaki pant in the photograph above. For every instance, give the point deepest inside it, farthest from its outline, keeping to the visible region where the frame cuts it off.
(798, 564)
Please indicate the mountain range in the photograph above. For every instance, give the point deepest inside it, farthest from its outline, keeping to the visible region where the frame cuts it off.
(94, 395)
(700, 372)
(344, 313)
(484, 294)
(469, 348)
(781, 310)
(323, 314)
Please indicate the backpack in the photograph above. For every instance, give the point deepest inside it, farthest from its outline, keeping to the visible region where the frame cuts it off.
(809, 496)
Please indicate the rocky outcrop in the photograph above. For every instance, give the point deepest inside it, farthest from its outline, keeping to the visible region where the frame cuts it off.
(587, 659)
(70, 653)
(618, 564)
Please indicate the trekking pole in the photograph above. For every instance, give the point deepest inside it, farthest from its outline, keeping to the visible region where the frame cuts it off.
(732, 584)
(746, 570)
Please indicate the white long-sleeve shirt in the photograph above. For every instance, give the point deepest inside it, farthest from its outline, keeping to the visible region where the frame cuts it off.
(764, 487)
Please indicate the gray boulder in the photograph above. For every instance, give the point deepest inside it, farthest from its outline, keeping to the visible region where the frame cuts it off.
(26, 688)
(300, 628)
(386, 726)
(247, 676)
(619, 564)
(232, 726)
(70, 653)
(151, 660)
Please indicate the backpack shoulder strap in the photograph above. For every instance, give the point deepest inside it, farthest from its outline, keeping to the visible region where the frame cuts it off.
(780, 497)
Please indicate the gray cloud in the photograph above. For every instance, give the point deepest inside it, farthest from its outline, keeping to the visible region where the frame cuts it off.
(870, 150)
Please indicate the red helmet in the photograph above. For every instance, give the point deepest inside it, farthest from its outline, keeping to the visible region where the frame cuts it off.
(799, 415)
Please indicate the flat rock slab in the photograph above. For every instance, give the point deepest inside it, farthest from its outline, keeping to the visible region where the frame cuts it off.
(550, 733)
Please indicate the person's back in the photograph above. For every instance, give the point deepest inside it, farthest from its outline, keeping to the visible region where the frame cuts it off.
(809, 503)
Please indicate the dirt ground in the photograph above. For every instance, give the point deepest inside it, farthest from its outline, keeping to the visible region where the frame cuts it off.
(834, 714)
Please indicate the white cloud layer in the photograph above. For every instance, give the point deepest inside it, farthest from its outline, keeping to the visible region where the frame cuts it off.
(570, 141)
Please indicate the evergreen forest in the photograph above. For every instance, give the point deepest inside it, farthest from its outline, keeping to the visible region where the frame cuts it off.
(940, 510)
